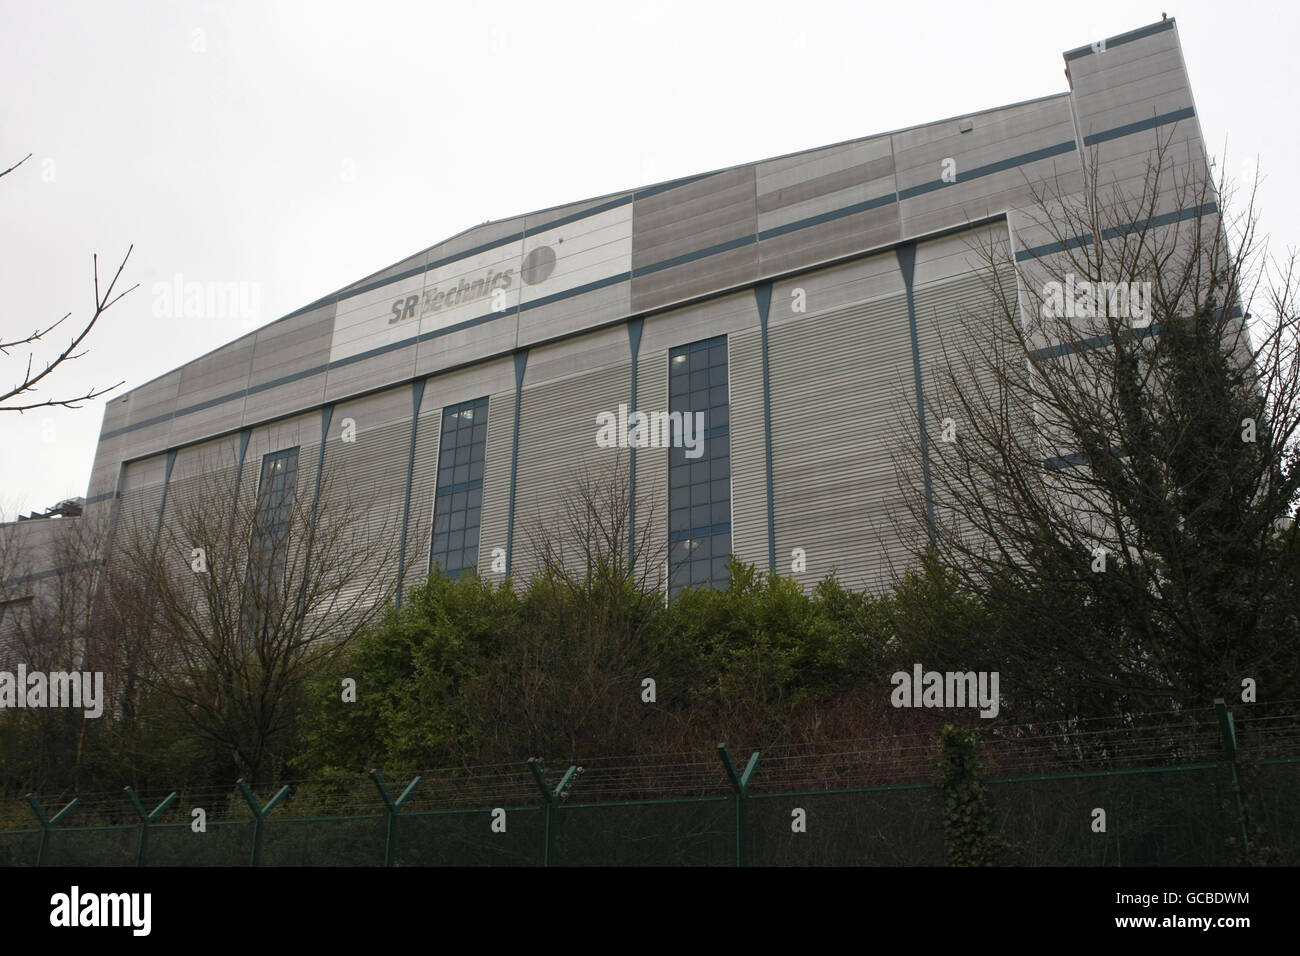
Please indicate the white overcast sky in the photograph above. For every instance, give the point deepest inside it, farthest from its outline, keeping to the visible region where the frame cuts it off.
(297, 147)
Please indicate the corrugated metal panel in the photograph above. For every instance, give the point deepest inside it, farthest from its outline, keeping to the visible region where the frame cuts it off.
(557, 447)
(678, 222)
(496, 482)
(748, 448)
(840, 384)
(652, 470)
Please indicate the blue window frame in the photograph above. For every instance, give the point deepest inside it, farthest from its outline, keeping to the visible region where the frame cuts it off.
(699, 489)
(458, 501)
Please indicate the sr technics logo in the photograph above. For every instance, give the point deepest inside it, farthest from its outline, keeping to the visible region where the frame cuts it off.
(537, 267)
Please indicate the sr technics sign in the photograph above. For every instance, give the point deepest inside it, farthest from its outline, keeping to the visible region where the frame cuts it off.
(486, 284)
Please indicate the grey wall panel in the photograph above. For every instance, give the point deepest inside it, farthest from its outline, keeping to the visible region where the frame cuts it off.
(964, 340)
(367, 476)
(702, 320)
(574, 313)
(749, 536)
(692, 216)
(475, 381)
(147, 440)
(538, 220)
(685, 220)
(154, 398)
(364, 491)
(477, 342)
(579, 356)
(387, 368)
(1123, 60)
(215, 374)
(261, 405)
(557, 449)
(719, 271)
(834, 287)
(479, 235)
(1157, 76)
(495, 516)
(417, 261)
(839, 237)
(292, 346)
(209, 421)
(200, 495)
(790, 191)
(141, 502)
(841, 385)
(381, 408)
(117, 412)
(652, 473)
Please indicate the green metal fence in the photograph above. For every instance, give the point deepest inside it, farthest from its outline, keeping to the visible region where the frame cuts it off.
(737, 813)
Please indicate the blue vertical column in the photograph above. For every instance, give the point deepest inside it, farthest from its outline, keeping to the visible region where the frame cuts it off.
(521, 364)
(162, 506)
(634, 329)
(907, 263)
(417, 398)
(763, 293)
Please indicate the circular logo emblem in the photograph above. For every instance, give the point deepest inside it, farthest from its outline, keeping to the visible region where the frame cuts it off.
(538, 265)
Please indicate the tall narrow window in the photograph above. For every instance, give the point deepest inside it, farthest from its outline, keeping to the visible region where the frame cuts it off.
(269, 548)
(699, 485)
(458, 502)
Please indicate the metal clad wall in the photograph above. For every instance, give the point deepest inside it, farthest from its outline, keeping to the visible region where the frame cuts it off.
(652, 468)
(1129, 84)
(841, 380)
(557, 440)
(748, 448)
(996, 136)
(364, 484)
(682, 221)
(141, 502)
(207, 379)
(285, 349)
(820, 183)
(496, 481)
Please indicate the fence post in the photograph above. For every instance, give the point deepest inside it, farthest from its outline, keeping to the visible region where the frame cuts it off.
(47, 824)
(259, 815)
(394, 808)
(145, 820)
(1228, 731)
(739, 783)
(552, 798)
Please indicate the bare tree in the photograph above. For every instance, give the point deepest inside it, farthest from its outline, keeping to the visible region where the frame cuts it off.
(1118, 491)
(21, 396)
(227, 610)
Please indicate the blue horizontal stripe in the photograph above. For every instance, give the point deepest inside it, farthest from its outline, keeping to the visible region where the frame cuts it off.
(696, 255)
(831, 216)
(1002, 165)
(1123, 38)
(1114, 232)
(1099, 341)
(1139, 126)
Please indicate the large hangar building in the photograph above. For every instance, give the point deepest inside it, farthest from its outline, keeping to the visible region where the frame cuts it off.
(475, 371)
